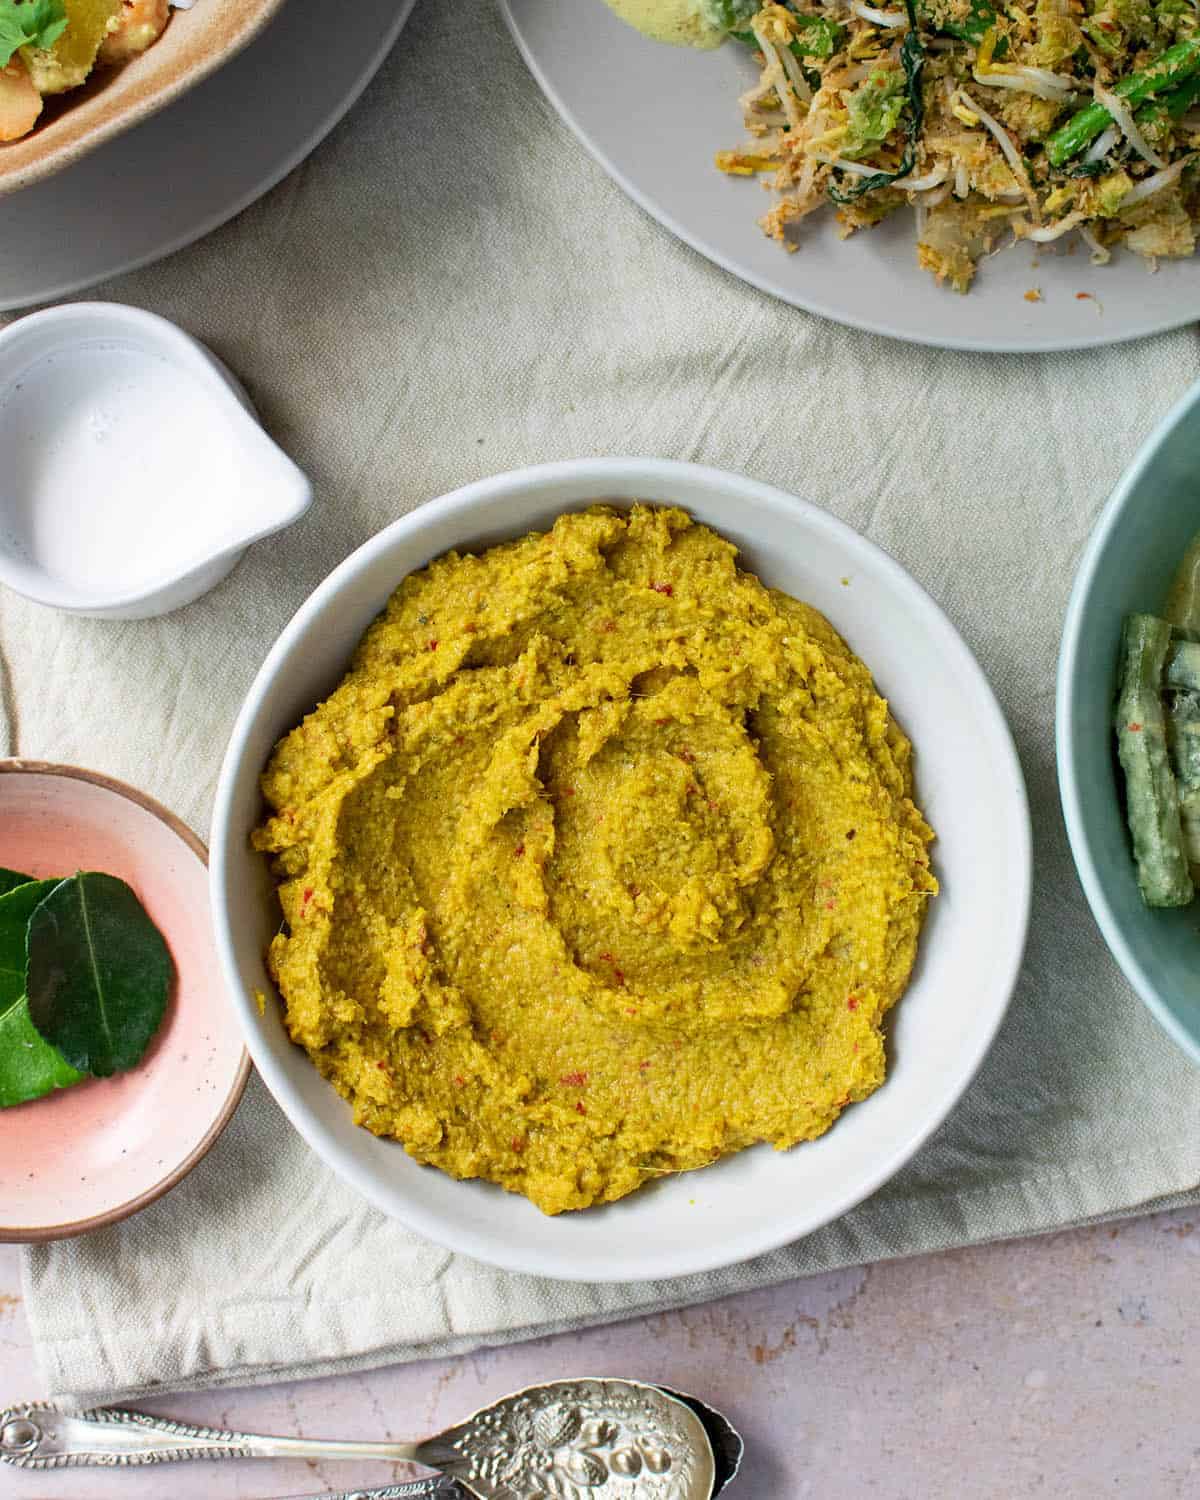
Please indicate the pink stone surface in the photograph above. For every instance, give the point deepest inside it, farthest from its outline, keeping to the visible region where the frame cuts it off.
(88, 1150)
(1066, 1367)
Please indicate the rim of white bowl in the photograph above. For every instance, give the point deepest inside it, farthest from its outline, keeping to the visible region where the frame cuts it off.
(1065, 741)
(652, 474)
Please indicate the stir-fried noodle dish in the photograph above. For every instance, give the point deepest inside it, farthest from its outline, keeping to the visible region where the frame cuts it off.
(1026, 120)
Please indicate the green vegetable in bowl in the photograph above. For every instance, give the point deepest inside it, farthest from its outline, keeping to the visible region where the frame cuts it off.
(1152, 796)
(1183, 601)
(1183, 740)
(1182, 668)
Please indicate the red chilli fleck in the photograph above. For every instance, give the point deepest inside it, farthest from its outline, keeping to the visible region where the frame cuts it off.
(518, 851)
(852, 1003)
(1134, 728)
(609, 958)
(431, 645)
(574, 1080)
(460, 1080)
(663, 588)
(579, 1107)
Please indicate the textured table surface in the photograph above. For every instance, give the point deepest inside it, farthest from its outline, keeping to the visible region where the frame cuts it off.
(1063, 1367)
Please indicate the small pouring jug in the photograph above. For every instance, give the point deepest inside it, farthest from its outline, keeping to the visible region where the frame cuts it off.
(133, 470)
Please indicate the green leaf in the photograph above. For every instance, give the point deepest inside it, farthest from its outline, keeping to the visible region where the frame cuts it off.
(29, 23)
(98, 975)
(874, 111)
(912, 60)
(822, 37)
(29, 1067)
(10, 880)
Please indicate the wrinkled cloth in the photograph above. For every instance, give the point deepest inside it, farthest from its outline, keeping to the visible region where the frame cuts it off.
(451, 287)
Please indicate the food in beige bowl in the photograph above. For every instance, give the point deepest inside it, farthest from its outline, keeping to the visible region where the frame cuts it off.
(89, 69)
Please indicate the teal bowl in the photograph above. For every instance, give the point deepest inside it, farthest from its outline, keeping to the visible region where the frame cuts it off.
(1128, 566)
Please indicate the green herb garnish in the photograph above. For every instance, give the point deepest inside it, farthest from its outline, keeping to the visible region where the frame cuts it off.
(29, 23)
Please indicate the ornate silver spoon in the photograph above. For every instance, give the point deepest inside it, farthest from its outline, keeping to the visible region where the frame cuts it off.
(565, 1440)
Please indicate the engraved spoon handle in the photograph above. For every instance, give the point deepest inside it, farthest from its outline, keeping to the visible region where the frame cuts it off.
(39, 1437)
(440, 1488)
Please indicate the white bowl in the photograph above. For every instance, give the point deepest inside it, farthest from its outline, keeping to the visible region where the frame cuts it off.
(969, 783)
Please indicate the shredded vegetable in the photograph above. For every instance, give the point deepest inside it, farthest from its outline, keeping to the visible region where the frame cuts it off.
(1034, 120)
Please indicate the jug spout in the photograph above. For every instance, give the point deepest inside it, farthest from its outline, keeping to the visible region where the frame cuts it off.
(276, 491)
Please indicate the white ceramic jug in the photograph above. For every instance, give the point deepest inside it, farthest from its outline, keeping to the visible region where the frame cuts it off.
(133, 470)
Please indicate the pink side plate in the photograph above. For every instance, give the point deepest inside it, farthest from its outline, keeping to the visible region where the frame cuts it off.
(88, 1156)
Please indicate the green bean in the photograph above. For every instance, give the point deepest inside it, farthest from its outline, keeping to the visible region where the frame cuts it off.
(1174, 104)
(1151, 794)
(1176, 65)
(1182, 669)
(1183, 738)
(1183, 601)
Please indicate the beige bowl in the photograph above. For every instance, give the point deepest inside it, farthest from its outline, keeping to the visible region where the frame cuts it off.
(196, 43)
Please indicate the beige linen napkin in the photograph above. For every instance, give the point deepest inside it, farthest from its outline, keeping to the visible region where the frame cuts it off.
(450, 287)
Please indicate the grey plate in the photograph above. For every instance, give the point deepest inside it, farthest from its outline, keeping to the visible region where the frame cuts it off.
(653, 116)
(195, 165)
